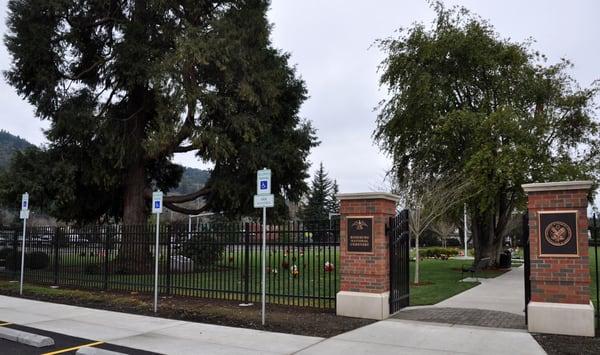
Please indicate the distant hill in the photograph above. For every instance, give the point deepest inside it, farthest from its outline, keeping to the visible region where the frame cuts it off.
(190, 181)
(9, 144)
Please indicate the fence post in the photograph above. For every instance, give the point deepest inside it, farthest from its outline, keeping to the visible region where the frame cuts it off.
(16, 252)
(246, 262)
(107, 240)
(595, 232)
(56, 246)
(168, 261)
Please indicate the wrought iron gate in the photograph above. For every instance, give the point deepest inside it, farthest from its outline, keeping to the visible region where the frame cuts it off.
(399, 237)
(595, 231)
(525, 239)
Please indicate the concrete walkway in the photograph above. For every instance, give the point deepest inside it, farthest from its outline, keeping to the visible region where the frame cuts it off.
(391, 336)
(407, 337)
(464, 316)
(505, 293)
(148, 333)
(501, 296)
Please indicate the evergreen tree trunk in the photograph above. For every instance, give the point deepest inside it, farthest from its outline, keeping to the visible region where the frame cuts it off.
(135, 253)
(134, 207)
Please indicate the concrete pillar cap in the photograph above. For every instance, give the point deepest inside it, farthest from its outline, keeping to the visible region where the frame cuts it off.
(368, 196)
(557, 186)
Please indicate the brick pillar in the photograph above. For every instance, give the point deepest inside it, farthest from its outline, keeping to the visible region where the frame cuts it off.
(560, 276)
(364, 254)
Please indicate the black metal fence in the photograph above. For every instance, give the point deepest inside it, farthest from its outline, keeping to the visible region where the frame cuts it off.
(220, 261)
(594, 240)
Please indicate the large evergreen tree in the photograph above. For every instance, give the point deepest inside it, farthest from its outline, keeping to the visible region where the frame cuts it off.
(464, 101)
(127, 84)
(321, 198)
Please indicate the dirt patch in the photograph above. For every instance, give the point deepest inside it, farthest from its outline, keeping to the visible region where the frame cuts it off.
(283, 319)
(562, 344)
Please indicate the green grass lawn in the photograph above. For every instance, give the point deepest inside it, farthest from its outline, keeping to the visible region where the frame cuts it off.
(439, 279)
(594, 275)
(224, 279)
(309, 285)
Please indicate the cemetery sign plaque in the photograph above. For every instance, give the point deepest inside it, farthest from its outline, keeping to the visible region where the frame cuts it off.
(360, 234)
(558, 233)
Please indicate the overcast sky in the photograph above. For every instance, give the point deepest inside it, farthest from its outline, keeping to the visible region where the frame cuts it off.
(329, 42)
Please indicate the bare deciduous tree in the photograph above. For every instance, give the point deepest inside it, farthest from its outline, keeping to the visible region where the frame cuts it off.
(444, 227)
(428, 200)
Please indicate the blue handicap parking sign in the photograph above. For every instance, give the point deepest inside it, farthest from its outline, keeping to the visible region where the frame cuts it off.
(156, 204)
(263, 184)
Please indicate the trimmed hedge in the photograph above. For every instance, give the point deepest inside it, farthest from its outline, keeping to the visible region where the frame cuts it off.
(438, 252)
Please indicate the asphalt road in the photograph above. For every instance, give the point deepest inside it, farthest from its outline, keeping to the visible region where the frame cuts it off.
(63, 344)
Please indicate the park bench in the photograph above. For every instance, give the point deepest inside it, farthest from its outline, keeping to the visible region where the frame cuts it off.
(475, 267)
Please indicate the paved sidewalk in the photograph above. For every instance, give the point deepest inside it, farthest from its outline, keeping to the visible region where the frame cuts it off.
(464, 316)
(407, 337)
(148, 333)
(505, 293)
(167, 336)
(391, 336)
(496, 303)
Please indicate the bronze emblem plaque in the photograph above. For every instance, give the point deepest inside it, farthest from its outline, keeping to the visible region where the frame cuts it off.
(360, 234)
(558, 233)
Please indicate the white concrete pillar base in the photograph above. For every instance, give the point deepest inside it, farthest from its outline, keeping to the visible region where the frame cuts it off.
(561, 318)
(363, 305)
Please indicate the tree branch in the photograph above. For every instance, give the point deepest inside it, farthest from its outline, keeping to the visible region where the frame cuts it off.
(184, 149)
(179, 198)
(184, 210)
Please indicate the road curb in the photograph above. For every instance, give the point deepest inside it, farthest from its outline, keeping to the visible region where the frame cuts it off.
(26, 338)
(88, 350)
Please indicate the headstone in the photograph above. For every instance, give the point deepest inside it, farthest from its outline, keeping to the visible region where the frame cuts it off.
(180, 263)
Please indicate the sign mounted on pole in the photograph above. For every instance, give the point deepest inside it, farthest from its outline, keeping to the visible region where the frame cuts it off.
(157, 206)
(25, 201)
(24, 206)
(263, 199)
(263, 182)
(24, 217)
(157, 202)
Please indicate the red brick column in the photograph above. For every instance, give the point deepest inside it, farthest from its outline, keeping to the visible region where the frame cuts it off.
(364, 276)
(560, 283)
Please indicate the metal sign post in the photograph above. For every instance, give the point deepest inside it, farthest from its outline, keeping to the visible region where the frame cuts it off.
(157, 203)
(263, 199)
(264, 252)
(24, 217)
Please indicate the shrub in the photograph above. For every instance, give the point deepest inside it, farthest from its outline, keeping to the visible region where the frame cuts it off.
(203, 251)
(12, 260)
(37, 260)
(4, 255)
(438, 252)
(429, 239)
(453, 242)
(92, 269)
